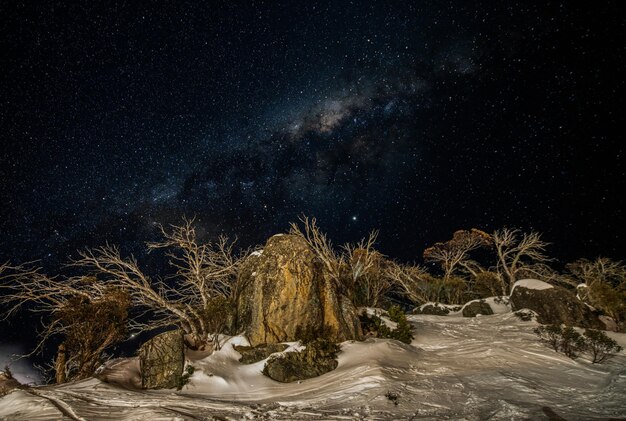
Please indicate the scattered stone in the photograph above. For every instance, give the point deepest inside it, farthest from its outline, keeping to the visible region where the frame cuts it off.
(525, 315)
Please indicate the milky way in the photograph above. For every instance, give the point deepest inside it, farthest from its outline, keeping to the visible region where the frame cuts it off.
(415, 120)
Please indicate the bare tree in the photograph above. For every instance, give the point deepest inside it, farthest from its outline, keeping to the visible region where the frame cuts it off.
(90, 316)
(454, 254)
(366, 271)
(519, 254)
(355, 269)
(602, 269)
(204, 273)
(333, 262)
(411, 281)
(605, 281)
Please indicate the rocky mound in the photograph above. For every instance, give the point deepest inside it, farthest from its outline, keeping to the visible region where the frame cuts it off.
(316, 359)
(553, 305)
(286, 287)
(474, 308)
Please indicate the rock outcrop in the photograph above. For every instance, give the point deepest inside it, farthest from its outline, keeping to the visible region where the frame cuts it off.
(285, 287)
(319, 357)
(474, 308)
(162, 360)
(554, 305)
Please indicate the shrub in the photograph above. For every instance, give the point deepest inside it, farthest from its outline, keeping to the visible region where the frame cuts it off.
(550, 335)
(487, 284)
(600, 346)
(375, 325)
(610, 300)
(393, 397)
(572, 343)
(568, 341)
(565, 340)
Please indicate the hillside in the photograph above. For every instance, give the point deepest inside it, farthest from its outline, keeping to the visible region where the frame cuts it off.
(488, 367)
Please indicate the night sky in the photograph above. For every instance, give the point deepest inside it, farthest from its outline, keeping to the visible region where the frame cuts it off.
(415, 118)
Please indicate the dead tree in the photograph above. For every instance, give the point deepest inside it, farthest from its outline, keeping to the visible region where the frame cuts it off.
(87, 314)
(519, 254)
(454, 254)
(365, 267)
(204, 272)
(333, 262)
(410, 281)
(605, 281)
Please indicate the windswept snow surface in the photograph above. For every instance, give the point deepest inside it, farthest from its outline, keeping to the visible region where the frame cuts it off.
(489, 367)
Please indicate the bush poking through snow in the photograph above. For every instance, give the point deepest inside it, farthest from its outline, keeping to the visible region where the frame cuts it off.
(561, 339)
(568, 341)
(550, 335)
(376, 326)
(572, 343)
(600, 346)
(393, 397)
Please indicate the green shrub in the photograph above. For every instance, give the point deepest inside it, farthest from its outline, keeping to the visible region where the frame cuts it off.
(562, 339)
(611, 300)
(572, 343)
(599, 346)
(375, 325)
(568, 341)
(487, 284)
(550, 335)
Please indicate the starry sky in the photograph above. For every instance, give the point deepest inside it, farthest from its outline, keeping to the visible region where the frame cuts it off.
(416, 118)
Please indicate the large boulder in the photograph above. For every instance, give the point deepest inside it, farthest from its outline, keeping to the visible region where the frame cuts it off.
(319, 357)
(162, 360)
(553, 304)
(474, 308)
(284, 288)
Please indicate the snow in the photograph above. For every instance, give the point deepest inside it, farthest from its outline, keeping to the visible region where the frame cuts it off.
(531, 284)
(456, 368)
(499, 305)
(452, 308)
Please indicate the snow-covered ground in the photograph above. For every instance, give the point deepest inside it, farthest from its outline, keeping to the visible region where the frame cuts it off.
(488, 367)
